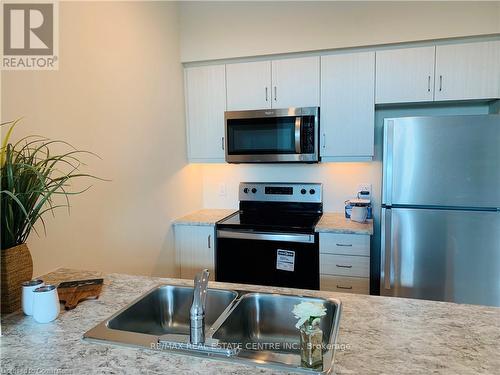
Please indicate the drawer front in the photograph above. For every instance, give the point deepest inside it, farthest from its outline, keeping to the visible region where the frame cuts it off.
(346, 244)
(359, 285)
(344, 265)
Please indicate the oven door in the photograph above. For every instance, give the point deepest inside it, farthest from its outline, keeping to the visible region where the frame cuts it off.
(279, 135)
(267, 258)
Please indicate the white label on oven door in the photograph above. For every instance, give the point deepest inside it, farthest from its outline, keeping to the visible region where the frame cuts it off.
(285, 260)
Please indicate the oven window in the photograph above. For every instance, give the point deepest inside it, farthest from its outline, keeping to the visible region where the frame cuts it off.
(261, 136)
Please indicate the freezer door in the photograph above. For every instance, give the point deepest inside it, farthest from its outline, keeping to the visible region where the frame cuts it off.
(442, 161)
(443, 255)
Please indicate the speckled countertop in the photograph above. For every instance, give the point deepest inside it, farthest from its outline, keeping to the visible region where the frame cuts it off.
(335, 222)
(379, 335)
(206, 216)
(330, 222)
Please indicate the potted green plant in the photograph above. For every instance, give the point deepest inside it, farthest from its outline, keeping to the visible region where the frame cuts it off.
(31, 177)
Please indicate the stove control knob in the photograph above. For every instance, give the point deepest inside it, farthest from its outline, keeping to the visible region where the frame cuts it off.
(245, 190)
(303, 191)
(312, 191)
(254, 190)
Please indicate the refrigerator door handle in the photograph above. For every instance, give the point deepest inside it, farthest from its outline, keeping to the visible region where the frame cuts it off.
(387, 173)
(387, 245)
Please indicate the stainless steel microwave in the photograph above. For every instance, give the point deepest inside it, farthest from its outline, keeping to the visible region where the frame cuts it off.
(287, 135)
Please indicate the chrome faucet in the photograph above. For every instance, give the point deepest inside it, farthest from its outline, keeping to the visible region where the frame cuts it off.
(197, 312)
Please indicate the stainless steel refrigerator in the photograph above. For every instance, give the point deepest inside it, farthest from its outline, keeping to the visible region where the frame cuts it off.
(440, 222)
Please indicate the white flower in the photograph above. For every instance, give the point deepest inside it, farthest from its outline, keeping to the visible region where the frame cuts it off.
(307, 310)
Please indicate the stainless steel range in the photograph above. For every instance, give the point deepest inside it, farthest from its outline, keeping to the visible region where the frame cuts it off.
(271, 239)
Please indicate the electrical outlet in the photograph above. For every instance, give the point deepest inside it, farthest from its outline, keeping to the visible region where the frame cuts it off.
(365, 187)
(222, 190)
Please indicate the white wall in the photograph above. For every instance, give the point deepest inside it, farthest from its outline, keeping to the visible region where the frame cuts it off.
(216, 30)
(340, 180)
(119, 93)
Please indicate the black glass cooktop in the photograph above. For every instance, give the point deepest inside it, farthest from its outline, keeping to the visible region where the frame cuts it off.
(282, 222)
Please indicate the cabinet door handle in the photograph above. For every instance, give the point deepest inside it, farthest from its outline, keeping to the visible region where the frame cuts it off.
(275, 93)
(324, 140)
(266, 94)
(344, 244)
(344, 266)
(429, 83)
(222, 143)
(440, 83)
(343, 287)
(208, 240)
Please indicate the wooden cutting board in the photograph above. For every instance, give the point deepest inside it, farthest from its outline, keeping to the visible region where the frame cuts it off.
(73, 292)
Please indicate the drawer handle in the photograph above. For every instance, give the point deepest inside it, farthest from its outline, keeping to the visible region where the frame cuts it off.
(343, 287)
(343, 266)
(344, 244)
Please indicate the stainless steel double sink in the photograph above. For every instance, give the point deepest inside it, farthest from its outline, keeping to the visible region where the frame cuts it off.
(240, 326)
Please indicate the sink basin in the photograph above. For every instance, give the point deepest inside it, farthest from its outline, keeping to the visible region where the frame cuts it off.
(162, 311)
(240, 326)
(264, 327)
(166, 310)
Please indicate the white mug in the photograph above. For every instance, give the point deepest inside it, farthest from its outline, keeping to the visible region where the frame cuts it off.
(28, 295)
(359, 213)
(45, 304)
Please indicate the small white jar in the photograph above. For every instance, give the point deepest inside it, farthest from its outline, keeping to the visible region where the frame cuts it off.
(359, 214)
(45, 304)
(28, 295)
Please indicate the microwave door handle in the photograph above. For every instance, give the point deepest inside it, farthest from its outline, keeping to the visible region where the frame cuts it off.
(298, 124)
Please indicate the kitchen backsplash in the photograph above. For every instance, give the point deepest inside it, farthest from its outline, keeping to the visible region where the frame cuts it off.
(340, 180)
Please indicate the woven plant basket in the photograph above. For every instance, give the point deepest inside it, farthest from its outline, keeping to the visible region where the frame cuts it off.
(17, 267)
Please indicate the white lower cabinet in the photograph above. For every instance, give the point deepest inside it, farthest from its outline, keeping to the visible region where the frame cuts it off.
(195, 249)
(344, 244)
(344, 284)
(344, 262)
(344, 265)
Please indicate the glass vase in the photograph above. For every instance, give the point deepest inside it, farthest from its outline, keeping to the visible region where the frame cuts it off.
(311, 351)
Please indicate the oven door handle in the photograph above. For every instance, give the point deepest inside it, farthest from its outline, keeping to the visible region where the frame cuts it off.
(298, 125)
(266, 236)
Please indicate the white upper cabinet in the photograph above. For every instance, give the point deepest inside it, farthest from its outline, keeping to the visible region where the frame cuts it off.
(405, 75)
(445, 72)
(205, 106)
(346, 86)
(347, 105)
(248, 85)
(468, 71)
(295, 82)
(273, 84)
